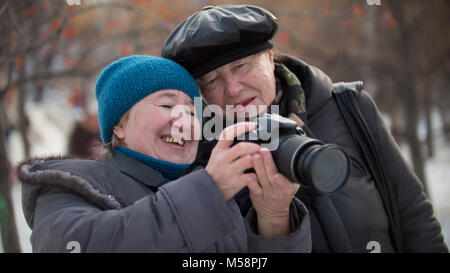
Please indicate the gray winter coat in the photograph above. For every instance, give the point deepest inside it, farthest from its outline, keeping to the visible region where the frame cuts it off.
(94, 206)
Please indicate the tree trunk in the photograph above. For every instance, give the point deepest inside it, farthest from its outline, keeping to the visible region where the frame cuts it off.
(412, 120)
(23, 118)
(10, 238)
(428, 119)
(444, 113)
(408, 92)
(45, 65)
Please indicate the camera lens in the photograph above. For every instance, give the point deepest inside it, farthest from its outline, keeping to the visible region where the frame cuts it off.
(308, 161)
(300, 158)
(325, 167)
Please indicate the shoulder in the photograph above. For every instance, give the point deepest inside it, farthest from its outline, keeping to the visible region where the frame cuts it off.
(356, 89)
(88, 178)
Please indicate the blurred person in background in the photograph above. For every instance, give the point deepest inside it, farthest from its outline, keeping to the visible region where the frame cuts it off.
(137, 200)
(84, 137)
(227, 49)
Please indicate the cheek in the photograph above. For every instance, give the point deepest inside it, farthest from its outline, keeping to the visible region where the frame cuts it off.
(134, 136)
(197, 130)
(214, 97)
(146, 125)
(192, 152)
(266, 82)
(194, 148)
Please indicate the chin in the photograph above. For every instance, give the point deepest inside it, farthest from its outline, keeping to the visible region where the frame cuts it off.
(178, 160)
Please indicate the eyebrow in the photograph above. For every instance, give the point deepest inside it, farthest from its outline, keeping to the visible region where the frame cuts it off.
(171, 95)
(166, 94)
(207, 77)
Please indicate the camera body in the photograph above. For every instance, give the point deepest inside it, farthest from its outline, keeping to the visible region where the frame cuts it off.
(301, 159)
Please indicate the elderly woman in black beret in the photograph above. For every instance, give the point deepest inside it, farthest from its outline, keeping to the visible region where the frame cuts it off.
(228, 51)
(137, 199)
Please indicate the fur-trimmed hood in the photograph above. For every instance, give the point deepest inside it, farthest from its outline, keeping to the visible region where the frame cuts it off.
(114, 183)
(111, 184)
(55, 172)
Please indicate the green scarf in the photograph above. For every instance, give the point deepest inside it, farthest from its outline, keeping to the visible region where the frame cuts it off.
(290, 95)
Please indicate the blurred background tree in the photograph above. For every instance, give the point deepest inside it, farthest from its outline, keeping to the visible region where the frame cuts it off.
(400, 49)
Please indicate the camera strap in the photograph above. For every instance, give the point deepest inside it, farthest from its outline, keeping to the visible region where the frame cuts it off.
(346, 95)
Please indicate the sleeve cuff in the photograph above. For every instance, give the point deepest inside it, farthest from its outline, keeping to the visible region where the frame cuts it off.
(299, 241)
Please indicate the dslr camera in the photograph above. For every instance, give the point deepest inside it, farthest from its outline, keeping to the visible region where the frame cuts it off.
(301, 159)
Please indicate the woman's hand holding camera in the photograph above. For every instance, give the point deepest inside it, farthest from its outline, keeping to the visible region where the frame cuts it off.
(271, 196)
(227, 164)
(270, 191)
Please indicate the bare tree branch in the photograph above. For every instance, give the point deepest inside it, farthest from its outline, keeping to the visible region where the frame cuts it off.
(4, 7)
(22, 33)
(121, 4)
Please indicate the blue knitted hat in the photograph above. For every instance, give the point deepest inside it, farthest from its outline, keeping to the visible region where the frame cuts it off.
(128, 80)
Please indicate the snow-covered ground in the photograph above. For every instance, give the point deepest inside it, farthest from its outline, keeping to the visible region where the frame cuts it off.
(22, 226)
(52, 124)
(438, 174)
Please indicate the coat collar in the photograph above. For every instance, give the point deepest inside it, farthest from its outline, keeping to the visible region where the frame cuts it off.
(317, 85)
(137, 170)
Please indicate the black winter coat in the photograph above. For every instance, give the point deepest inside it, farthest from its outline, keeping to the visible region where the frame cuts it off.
(353, 219)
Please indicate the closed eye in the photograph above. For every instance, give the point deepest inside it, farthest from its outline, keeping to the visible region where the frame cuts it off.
(187, 111)
(240, 66)
(166, 106)
(211, 81)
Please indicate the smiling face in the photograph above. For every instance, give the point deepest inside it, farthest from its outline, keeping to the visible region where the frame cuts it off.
(246, 84)
(162, 125)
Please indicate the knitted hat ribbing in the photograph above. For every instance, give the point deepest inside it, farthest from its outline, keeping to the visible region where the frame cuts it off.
(128, 80)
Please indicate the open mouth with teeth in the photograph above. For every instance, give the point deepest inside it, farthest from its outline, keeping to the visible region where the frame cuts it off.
(173, 140)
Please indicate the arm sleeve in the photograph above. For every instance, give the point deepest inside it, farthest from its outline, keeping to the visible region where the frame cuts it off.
(420, 229)
(299, 241)
(186, 215)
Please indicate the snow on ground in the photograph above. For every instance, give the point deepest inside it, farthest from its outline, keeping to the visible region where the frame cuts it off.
(52, 124)
(22, 226)
(438, 174)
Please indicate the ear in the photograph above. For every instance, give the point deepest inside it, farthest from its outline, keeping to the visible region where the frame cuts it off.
(270, 56)
(119, 131)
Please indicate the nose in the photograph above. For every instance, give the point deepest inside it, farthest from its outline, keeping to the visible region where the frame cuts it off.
(233, 86)
(182, 123)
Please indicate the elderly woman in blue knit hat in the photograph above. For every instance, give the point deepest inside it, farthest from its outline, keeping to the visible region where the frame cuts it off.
(137, 199)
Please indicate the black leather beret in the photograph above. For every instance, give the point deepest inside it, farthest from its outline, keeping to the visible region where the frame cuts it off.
(218, 35)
